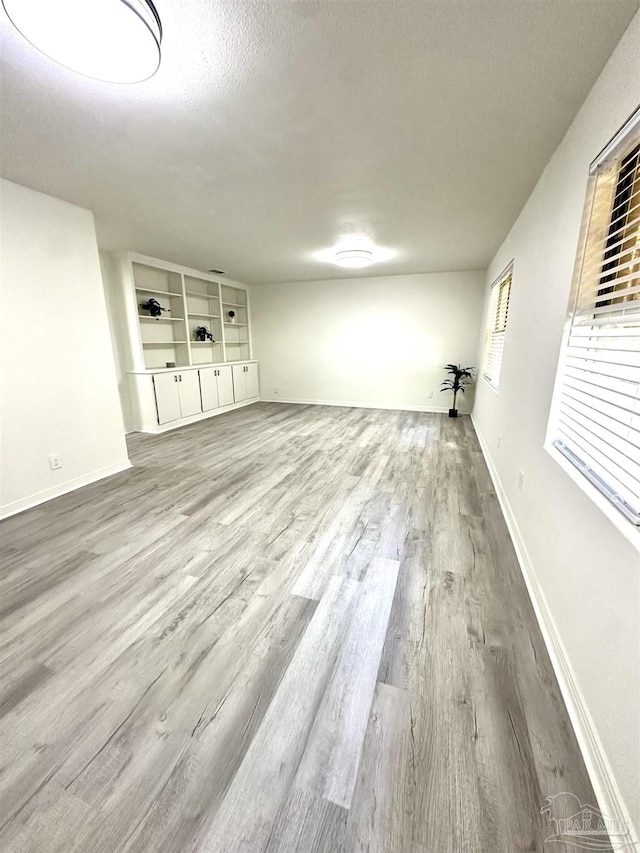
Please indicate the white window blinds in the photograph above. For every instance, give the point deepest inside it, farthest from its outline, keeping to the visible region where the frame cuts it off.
(596, 420)
(496, 328)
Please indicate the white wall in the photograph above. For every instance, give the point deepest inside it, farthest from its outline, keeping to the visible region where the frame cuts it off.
(587, 570)
(378, 341)
(59, 392)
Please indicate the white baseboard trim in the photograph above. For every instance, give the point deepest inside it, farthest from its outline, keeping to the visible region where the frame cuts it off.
(62, 489)
(349, 404)
(598, 767)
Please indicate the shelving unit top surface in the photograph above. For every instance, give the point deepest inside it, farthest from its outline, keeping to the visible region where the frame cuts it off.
(138, 259)
(151, 370)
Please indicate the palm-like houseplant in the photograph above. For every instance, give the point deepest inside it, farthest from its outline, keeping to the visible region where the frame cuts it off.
(153, 307)
(202, 333)
(460, 378)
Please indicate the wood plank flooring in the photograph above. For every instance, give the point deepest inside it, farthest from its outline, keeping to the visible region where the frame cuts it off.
(286, 629)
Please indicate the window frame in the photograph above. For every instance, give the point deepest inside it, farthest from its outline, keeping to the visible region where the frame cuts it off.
(594, 223)
(491, 325)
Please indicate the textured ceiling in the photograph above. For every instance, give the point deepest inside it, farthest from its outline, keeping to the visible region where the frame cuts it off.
(274, 128)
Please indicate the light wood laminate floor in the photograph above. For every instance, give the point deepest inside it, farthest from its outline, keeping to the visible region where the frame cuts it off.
(287, 628)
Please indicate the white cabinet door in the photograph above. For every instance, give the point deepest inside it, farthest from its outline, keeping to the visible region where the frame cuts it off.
(239, 382)
(167, 397)
(225, 386)
(209, 388)
(251, 374)
(189, 386)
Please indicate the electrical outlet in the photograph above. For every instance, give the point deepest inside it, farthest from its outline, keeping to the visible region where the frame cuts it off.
(499, 441)
(55, 461)
(520, 480)
(429, 395)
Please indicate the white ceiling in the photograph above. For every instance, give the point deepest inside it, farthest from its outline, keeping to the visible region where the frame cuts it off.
(274, 128)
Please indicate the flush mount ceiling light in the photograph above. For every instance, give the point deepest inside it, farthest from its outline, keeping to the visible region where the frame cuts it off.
(117, 41)
(355, 251)
(354, 258)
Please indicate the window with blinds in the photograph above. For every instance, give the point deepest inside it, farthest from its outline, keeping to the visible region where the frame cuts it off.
(496, 327)
(596, 416)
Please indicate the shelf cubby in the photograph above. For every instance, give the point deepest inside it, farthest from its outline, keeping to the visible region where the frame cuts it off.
(204, 352)
(237, 350)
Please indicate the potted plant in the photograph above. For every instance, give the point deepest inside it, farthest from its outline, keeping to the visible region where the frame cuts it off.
(153, 307)
(461, 377)
(232, 316)
(202, 334)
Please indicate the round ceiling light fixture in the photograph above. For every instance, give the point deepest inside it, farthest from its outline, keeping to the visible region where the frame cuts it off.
(116, 41)
(354, 258)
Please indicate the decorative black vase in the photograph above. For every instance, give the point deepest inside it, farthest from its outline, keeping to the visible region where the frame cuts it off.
(453, 413)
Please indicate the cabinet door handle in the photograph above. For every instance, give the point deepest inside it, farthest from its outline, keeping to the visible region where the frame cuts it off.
(180, 378)
(175, 378)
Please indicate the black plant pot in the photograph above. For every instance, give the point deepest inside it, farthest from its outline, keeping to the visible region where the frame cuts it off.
(453, 413)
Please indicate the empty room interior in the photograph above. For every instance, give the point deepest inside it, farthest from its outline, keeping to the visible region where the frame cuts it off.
(320, 426)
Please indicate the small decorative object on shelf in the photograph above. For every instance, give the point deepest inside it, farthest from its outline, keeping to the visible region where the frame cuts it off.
(462, 376)
(232, 316)
(153, 307)
(171, 364)
(203, 334)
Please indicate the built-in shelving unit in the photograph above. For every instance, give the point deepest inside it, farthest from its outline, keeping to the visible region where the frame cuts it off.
(235, 313)
(189, 299)
(172, 378)
(203, 309)
(163, 339)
